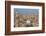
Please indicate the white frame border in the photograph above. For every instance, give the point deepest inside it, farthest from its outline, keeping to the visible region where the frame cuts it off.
(25, 28)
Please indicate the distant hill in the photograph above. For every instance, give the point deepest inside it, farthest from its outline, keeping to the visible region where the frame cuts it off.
(25, 11)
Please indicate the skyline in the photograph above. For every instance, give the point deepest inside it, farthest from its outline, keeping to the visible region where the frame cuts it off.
(26, 11)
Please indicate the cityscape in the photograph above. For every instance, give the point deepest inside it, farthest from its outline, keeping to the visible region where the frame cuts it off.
(21, 20)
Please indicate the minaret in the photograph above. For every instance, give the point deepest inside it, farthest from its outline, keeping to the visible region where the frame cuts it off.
(33, 18)
(17, 13)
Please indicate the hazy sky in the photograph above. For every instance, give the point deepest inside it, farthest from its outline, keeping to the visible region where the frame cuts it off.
(26, 11)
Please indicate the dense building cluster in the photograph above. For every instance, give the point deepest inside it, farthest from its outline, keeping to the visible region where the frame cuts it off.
(26, 20)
